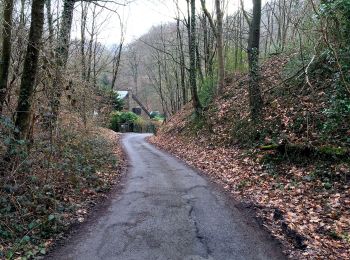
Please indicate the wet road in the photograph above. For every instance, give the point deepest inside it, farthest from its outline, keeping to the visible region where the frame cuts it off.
(168, 211)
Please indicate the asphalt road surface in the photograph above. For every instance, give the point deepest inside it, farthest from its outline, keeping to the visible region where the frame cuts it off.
(167, 211)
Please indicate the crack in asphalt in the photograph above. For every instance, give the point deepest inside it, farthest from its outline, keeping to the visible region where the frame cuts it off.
(194, 187)
(199, 237)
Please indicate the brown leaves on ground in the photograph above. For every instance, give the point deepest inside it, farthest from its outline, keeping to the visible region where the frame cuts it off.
(298, 211)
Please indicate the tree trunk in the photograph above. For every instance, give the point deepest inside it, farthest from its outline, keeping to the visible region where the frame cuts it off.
(237, 47)
(199, 66)
(255, 98)
(206, 45)
(64, 34)
(84, 13)
(220, 45)
(92, 49)
(49, 21)
(182, 63)
(61, 57)
(6, 51)
(241, 24)
(30, 69)
(116, 63)
(117, 56)
(164, 106)
(193, 73)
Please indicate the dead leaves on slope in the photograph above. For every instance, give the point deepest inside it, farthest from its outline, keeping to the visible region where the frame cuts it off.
(312, 217)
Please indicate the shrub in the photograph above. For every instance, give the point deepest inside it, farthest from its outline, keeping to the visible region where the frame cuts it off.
(15, 148)
(118, 118)
(140, 125)
(207, 91)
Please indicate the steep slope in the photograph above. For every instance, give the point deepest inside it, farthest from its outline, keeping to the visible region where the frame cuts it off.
(291, 168)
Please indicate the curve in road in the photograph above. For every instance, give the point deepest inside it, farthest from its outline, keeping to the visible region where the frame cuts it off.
(168, 211)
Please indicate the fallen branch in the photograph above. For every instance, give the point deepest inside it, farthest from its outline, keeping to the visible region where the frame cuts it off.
(324, 152)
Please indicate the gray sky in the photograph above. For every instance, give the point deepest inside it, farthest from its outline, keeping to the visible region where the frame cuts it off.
(140, 15)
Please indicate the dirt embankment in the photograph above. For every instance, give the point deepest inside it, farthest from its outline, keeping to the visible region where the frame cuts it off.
(302, 197)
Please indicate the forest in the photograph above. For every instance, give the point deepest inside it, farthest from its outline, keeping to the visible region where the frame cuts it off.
(254, 94)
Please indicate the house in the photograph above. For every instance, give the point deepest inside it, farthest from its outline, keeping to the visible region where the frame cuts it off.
(131, 102)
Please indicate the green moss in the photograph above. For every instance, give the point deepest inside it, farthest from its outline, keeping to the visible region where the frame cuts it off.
(269, 147)
(331, 150)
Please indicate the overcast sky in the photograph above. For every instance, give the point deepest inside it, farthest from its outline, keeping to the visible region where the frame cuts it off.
(140, 15)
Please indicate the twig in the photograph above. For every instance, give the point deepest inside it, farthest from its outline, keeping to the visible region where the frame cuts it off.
(307, 71)
(284, 81)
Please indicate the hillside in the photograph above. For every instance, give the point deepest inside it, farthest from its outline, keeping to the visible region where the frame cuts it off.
(253, 93)
(291, 168)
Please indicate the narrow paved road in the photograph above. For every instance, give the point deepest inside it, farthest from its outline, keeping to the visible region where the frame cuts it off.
(168, 212)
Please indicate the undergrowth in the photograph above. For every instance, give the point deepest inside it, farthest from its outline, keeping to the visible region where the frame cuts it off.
(43, 189)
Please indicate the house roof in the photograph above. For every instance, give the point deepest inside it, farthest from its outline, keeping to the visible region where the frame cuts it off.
(122, 93)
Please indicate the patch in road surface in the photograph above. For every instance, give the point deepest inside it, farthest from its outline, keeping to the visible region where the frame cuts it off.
(168, 211)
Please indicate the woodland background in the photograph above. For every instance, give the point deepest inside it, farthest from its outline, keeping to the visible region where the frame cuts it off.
(268, 87)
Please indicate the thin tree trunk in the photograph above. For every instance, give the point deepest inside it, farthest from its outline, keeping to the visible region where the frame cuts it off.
(30, 69)
(116, 64)
(193, 73)
(206, 45)
(218, 33)
(117, 56)
(255, 98)
(220, 45)
(241, 23)
(92, 47)
(182, 64)
(267, 35)
(199, 66)
(61, 57)
(19, 54)
(49, 21)
(164, 106)
(94, 70)
(84, 11)
(64, 34)
(6, 51)
(237, 47)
